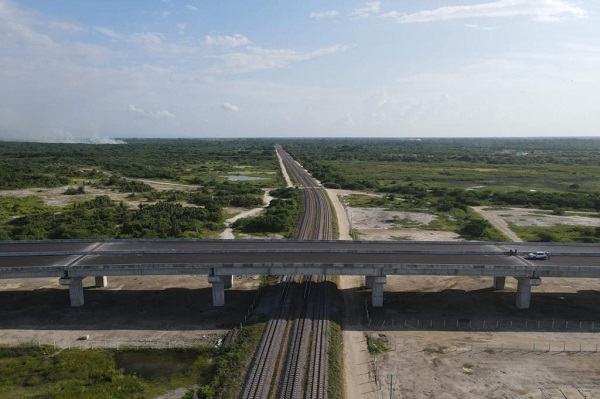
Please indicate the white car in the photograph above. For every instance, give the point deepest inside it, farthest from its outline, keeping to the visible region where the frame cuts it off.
(538, 255)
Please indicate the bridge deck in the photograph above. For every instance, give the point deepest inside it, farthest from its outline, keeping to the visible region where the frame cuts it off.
(221, 257)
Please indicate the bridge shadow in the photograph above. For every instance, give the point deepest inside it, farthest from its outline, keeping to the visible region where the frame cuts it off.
(482, 310)
(169, 309)
(271, 302)
(188, 309)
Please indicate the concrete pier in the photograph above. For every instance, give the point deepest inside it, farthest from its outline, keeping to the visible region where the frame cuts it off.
(524, 290)
(218, 290)
(228, 281)
(499, 283)
(75, 289)
(101, 281)
(369, 281)
(377, 291)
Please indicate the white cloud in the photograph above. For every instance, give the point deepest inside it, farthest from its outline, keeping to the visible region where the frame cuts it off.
(159, 44)
(109, 33)
(367, 10)
(254, 59)
(229, 107)
(162, 114)
(226, 40)
(480, 27)
(538, 10)
(148, 40)
(324, 14)
(64, 27)
(18, 29)
(191, 7)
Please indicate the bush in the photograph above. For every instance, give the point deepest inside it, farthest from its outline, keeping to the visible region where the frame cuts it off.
(279, 217)
(74, 191)
(474, 229)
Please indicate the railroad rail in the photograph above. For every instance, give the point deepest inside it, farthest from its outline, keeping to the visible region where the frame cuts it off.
(301, 318)
(311, 349)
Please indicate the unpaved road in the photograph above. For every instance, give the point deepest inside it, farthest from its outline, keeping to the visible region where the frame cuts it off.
(498, 222)
(500, 218)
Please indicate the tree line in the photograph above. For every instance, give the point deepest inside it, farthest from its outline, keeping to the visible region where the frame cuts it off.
(102, 217)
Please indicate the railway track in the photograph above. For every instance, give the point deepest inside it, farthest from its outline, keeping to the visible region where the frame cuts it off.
(263, 366)
(294, 344)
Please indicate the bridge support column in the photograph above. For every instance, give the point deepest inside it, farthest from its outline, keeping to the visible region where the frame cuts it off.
(227, 281)
(75, 289)
(524, 290)
(499, 283)
(218, 290)
(101, 281)
(377, 291)
(369, 281)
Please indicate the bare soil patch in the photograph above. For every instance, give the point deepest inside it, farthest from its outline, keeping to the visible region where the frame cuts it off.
(483, 365)
(419, 317)
(381, 224)
(538, 217)
(378, 224)
(55, 197)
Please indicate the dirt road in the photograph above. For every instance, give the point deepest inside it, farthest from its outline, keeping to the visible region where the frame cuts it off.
(498, 222)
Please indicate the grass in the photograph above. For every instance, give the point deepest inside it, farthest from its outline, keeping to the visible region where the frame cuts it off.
(155, 364)
(335, 354)
(377, 345)
(456, 174)
(439, 350)
(336, 377)
(47, 373)
(43, 372)
(231, 365)
(468, 368)
(365, 201)
(335, 228)
(14, 206)
(404, 222)
(560, 233)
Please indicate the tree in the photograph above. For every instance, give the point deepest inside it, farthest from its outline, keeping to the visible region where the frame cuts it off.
(474, 228)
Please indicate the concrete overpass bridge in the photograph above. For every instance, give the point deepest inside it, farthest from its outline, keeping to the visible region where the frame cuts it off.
(73, 260)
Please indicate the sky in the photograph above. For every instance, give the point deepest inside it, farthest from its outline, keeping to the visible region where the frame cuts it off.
(93, 71)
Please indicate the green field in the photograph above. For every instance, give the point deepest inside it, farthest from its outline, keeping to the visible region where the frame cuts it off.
(44, 372)
(564, 165)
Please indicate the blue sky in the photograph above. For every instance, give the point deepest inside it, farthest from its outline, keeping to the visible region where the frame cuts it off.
(80, 70)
